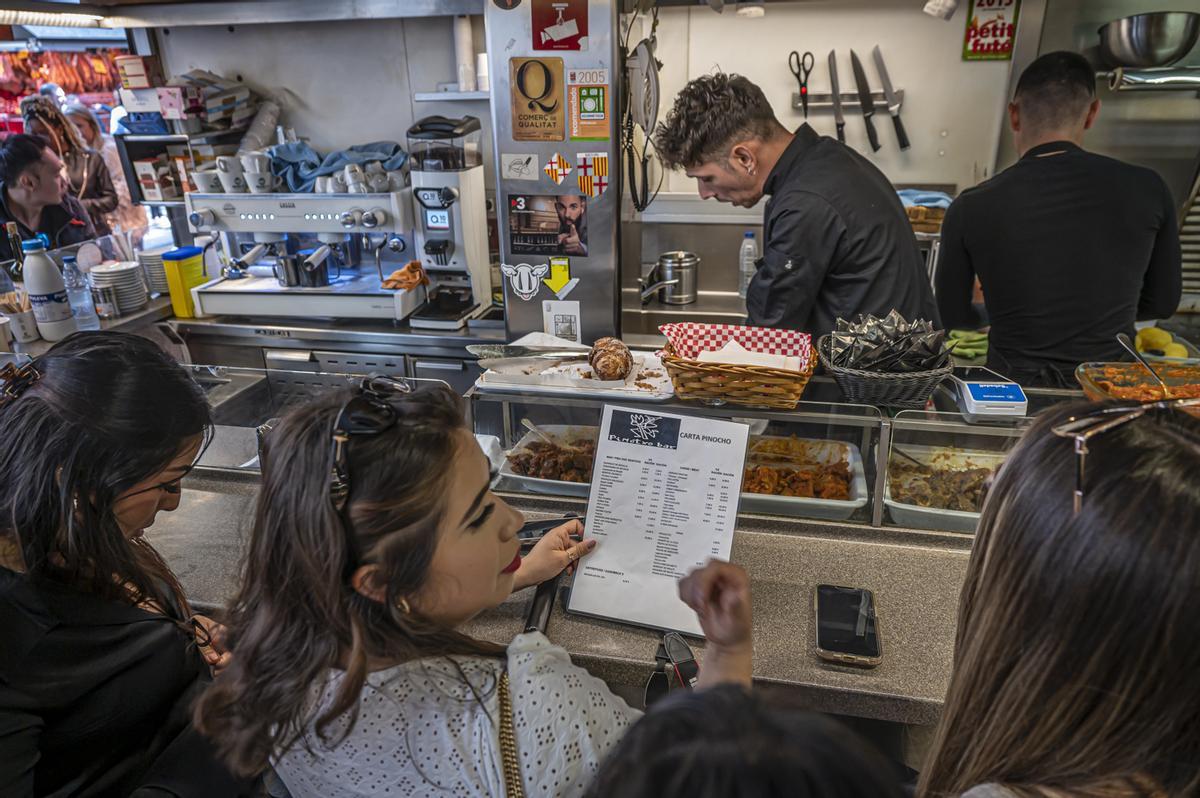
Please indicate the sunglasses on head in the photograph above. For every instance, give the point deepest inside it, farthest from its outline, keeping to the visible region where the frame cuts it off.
(1083, 428)
(367, 412)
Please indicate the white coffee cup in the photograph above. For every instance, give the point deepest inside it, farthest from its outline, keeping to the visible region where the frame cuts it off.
(5, 334)
(208, 180)
(379, 182)
(257, 161)
(232, 177)
(24, 326)
(262, 182)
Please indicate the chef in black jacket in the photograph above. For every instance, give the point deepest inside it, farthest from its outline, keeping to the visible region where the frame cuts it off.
(837, 239)
(1070, 247)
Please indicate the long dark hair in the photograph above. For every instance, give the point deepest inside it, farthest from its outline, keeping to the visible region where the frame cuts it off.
(108, 411)
(729, 741)
(296, 615)
(1076, 667)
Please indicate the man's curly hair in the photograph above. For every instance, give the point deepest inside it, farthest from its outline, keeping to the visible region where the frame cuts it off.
(709, 115)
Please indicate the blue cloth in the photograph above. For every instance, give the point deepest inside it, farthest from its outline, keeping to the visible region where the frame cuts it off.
(926, 199)
(300, 165)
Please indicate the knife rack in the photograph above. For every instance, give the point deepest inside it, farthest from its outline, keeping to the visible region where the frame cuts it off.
(823, 101)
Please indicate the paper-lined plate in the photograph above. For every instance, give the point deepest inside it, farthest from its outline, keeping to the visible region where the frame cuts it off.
(647, 382)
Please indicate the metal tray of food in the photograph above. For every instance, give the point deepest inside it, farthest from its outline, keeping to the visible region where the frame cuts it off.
(826, 453)
(941, 459)
(777, 452)
(552, 487)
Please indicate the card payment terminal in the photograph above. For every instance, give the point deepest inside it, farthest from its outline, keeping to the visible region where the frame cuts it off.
(982, 393)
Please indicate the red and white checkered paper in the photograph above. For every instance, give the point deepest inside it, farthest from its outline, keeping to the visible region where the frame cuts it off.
(691, 338)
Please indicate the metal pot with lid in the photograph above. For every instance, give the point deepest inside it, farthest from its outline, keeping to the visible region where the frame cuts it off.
(674, 278)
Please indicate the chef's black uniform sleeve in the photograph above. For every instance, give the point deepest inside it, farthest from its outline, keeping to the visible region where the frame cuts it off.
(802, 247)
(1163, 284)
(954, 280)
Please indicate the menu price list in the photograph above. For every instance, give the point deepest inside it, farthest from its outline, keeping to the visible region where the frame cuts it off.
(663, 501)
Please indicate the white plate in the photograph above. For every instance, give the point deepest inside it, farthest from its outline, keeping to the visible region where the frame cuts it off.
(573, 379)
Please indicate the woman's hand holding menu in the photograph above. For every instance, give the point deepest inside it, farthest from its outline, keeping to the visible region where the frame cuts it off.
(720, 594)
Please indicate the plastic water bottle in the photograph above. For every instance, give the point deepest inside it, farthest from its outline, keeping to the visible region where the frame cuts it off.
(79, 295)
(47, 293)
(746, 258)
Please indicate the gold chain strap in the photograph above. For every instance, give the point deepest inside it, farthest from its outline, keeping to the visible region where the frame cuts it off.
(508, 743)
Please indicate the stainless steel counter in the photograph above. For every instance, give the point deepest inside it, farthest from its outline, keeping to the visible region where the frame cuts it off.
(916, 578)
(281, 332)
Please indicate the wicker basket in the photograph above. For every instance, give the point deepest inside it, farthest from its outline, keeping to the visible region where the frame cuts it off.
(722, 383)
(906, 390)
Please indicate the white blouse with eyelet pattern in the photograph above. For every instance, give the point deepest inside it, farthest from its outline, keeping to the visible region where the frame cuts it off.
(423, 731)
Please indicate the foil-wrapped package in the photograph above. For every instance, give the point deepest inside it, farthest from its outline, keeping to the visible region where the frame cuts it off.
(891, 344)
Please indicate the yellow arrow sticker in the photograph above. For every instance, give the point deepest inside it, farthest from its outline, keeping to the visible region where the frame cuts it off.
(560, 274)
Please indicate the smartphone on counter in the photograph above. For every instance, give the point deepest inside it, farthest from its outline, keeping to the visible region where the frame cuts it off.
(847, 629)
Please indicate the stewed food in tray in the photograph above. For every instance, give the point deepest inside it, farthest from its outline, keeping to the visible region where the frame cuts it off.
(784, 476)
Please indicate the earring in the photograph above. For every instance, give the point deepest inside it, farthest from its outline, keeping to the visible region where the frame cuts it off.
(402, 605)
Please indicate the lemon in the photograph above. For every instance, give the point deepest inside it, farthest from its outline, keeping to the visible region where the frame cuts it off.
(1154, 338)
(1175, 350)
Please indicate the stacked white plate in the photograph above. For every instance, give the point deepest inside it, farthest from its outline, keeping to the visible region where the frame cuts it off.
(125, 280)
(152, 264)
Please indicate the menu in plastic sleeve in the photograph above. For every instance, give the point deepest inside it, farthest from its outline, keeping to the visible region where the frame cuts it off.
(663, 501)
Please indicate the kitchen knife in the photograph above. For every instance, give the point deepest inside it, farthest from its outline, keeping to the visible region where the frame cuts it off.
(516, 363)
(496, 351)
(893, 102)
(864, 97)
(836, 92)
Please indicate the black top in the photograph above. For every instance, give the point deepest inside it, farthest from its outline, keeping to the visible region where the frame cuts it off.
(838, 243)
(95, 698)
(66, 223)
(1070, 248)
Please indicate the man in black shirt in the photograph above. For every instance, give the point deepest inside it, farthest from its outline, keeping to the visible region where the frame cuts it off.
(1070, 247)
(837, 240)
(33, 193)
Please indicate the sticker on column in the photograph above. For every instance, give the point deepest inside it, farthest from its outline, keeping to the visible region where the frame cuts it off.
(560, 280)
(592, 171)
(561, 319)
(506, 5)
(538, 109)
(559, 24)
(525, 279)
(557, 169)
(589, 106)
(520, 167)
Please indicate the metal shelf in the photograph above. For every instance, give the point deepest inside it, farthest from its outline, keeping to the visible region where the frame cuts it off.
(181, 138)
(451, 96)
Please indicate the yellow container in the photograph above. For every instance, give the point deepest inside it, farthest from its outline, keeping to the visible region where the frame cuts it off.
(185, 271)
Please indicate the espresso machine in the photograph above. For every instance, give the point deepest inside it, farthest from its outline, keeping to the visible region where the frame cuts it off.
(450, 225)
(306, 255)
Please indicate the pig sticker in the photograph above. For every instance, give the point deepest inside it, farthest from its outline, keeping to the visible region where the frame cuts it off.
(524, 279)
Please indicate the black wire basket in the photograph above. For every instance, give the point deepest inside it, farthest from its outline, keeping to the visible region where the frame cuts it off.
(909, 390)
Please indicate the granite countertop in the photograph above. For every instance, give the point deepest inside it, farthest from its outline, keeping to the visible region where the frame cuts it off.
(916, 578)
